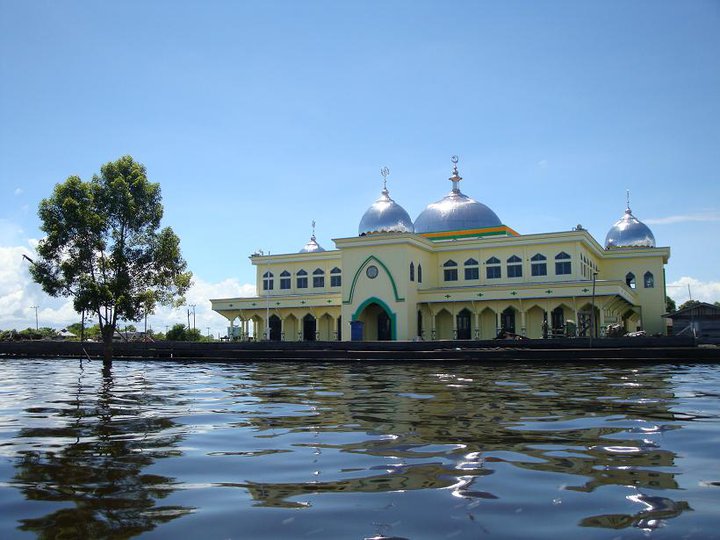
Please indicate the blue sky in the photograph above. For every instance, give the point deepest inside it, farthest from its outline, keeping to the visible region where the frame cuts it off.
(259, 117)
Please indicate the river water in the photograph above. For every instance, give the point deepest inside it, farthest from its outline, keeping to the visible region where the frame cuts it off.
(358, 450)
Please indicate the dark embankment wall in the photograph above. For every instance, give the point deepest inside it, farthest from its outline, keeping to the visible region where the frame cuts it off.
(650, 349)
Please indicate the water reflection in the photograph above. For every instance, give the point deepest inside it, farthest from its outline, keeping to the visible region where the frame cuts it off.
(600, 430)
(281, 450)
(92, 460)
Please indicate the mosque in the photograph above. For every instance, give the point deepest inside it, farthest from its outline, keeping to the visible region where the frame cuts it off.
(456, 272)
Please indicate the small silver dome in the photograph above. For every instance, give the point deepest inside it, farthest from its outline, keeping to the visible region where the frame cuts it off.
(385, 216)
(455, 212)
(312, 246)
(628, 231)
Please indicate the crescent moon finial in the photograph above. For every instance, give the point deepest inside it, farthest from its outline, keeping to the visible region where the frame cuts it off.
(385, 172)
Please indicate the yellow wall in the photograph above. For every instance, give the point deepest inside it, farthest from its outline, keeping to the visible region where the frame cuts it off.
(529, 295)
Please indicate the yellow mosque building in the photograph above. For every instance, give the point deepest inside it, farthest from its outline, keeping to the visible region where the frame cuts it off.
(456, 272)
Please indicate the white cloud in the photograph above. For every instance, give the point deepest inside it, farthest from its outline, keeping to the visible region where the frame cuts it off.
(704, 291)
(200, 294)
(543, 163)
(668, 220)
(18, 191)
(18, 293)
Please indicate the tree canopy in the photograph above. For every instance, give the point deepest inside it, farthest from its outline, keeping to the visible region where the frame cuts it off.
(105, 249)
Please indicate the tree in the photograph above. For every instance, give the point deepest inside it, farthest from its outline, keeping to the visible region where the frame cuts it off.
(177, 333)
(105, 249)
(670, 305)
(689, 303)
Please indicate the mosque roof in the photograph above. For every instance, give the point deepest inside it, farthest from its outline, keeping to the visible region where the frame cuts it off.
(312, 245)
(385, 215)
(455, 212)
(629, 231)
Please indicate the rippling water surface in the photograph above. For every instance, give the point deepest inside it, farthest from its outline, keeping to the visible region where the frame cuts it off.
(280, 450)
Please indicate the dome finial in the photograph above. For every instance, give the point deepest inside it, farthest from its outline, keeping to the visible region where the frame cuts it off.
(312, 246)
(627, 210)
(385, 172)
(455, 178)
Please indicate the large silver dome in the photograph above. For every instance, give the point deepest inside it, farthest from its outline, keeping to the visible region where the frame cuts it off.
(385, 216)
(628, 231)
(455, 212)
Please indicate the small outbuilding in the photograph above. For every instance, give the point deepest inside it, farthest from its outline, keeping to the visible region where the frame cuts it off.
(701, 320)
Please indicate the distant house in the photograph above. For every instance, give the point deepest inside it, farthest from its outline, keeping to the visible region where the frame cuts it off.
(65, 334)
(701, 320)
(131, 336)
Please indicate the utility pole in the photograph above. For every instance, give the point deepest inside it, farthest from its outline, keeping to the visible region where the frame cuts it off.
(592, 313)
(193, 308)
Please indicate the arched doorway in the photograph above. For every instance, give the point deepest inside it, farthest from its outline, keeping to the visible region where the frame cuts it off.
(557, 317)
(384, 327)
(309, 328)
(379, 322)
(275, 328)
(463, 324)
(507, 320)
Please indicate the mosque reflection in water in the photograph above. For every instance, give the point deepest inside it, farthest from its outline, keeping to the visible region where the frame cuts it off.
(467, 435)
(481, 416)
(95, 460)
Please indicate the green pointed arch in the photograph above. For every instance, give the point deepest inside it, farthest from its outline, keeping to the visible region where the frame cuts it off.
(367, 261)
(385, 307)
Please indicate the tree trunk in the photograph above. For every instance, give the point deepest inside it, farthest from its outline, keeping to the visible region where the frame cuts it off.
(107, 347)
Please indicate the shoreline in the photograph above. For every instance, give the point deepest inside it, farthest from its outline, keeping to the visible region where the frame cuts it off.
(653, 349)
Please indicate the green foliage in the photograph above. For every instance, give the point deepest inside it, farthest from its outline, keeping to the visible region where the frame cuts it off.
(670, 305)
(8, 335)
(194, 335)
(689, 303)
(177, 333)
(104, 247)
(42, 333)
(180, 332)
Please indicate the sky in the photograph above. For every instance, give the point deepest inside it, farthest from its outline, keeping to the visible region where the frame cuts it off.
(257, 118)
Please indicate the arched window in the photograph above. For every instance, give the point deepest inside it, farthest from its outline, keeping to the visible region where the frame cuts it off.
(285, 280)
(562, 264)
(514, 266)
(335, 277)
(301, 279)
(472, 270)
(630, 280)
(649, 280)
(538, 265)
(450, 273)
(492, 269)
(318, 278)
(419, 273)
(268, 281)
(412, 271)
